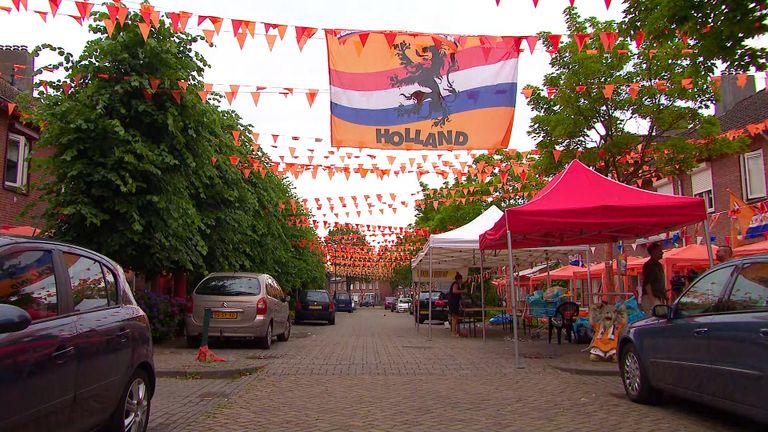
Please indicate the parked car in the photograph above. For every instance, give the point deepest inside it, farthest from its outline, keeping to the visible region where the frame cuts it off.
(439, 307)
(390, 303)
(75, 349)
(403, 304)
(243, 306)
(315, 305)
(343, 302)
(710, 345)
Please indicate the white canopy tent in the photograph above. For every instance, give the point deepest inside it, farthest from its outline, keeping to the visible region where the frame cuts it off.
(460, 248)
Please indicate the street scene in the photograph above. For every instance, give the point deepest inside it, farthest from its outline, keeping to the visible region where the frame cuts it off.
(341, 215)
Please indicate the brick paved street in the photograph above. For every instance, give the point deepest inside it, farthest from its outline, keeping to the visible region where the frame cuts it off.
(371, 371)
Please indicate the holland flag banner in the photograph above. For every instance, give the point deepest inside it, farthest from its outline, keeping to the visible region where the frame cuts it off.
(421, 92)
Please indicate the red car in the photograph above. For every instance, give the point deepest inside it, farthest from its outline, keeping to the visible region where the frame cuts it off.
(390, 303)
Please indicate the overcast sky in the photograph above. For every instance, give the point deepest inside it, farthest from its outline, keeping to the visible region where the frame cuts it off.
(285, 66)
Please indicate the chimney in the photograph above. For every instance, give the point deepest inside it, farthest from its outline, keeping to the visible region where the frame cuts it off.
(731, 93)
(17, 67)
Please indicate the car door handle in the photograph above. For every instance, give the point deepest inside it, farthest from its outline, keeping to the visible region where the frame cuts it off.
(122, 335)
(764, 332)
(62, 354)
(700, 331)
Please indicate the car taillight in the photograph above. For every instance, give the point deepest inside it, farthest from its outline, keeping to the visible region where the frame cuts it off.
(298, 304)
(330, 307)
(190, 305)
(261, 306)
(441, 303)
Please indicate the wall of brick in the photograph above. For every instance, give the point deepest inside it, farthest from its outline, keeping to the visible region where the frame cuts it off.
(12, 202)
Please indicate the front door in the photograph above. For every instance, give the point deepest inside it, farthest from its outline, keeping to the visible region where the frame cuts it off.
(739, 340)
(38, 365)
(681, 346)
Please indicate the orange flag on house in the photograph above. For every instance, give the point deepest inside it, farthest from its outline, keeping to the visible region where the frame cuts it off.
(740, 214)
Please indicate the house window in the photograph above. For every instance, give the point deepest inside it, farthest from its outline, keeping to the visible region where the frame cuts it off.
(16, 164)
(665, 187)
(753, 174)
(701, 185)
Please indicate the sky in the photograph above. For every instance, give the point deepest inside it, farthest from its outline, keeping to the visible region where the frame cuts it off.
(286, 66)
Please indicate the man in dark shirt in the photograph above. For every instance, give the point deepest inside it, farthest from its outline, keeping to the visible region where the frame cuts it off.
(654, 284)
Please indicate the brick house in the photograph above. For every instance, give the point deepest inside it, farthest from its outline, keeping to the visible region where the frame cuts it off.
(17, 141)
(743, 174)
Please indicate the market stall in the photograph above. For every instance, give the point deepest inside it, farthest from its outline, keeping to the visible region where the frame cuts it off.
(751, 249)
(580, 206)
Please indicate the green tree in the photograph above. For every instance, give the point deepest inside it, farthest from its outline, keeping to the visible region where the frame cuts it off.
(140, 168)
(349, 251)
(722, 30)
(629, 137)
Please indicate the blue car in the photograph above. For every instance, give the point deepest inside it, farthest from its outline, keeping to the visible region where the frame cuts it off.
(711, 345)
(343, 302)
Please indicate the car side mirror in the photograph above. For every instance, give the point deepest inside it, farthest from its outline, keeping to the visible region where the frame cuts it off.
(13, 319)
(661, 311)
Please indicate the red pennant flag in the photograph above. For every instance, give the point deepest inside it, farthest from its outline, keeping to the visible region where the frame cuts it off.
(241, 39)
(639, 38)
(208, 35)
(236, 25)
(176, 95)
(255, 96)
(234, 160)
(581, 38)
(54, 6)
(311, 94)
(270, 41)
(531, 41)
(44, 17)
(183, 20)
(390, 37)
(154, 83)
(213, 160)
(144, 28)
(363, 37)
(84, 8)
(182, 85)
(554, 39)
(687, 83)
(633, 90)
(551, 92)
(66, 87)
(77, 18)
(16, 4)
(608, 90)
(109, 24)
(174, 17)
(274, 138)
(556, 155)
(528, 92)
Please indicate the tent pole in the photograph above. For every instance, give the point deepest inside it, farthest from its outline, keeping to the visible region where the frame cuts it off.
(549, 279)
(429, 327)
(482, 294)
(514, 294)
(589, 275)
(708, 239)
(415, 304)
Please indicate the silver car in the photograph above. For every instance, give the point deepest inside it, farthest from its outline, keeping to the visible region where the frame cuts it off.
(243, 305)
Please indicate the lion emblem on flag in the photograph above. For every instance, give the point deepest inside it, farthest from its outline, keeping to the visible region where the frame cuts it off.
(430, 69)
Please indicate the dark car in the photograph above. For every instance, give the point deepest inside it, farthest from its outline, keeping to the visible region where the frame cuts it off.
(439, 307)
(343, 302)
(711, 345)
(390, 303)
(315, 305)
(75, 349)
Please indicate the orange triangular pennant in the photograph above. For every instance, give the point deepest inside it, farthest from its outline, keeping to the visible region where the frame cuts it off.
(311, 95)
(144, 29)
(255, 96)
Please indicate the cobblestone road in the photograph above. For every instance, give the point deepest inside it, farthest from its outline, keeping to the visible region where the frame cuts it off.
(372, 371)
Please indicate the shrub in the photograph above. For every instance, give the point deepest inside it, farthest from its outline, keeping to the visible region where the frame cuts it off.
(165, 313)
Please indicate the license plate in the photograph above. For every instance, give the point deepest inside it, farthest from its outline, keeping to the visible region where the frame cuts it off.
(315, 307)
(224, 315)
(424, 312)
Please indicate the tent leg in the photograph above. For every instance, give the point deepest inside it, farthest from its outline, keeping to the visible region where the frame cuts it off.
(589, 276)
(482, 294)
(415, 301)
(429, 327)
(708, 239)
(514, 295)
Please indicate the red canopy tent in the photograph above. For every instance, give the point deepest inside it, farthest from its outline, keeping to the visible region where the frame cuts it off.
(562, 273)
(19, 230)
(751, 249)
(579, 206)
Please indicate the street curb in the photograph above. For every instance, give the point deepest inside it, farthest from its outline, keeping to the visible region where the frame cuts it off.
(587, 371)
(208, 374)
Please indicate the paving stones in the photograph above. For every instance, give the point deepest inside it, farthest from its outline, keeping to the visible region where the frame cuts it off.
(375, 372)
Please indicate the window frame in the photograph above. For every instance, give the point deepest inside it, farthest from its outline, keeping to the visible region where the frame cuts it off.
(709, 199)
(726, 291)
(745, 175)
(22, 176)
(732, 285)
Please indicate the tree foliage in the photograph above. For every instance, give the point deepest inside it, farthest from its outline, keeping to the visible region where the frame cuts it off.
(719, 30)
(134, 174)
(628, 137)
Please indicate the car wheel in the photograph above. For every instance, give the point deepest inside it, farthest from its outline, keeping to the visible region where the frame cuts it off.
(266, 341)
(286, 334)
(193, 342)
(635, 378)
(132, 412)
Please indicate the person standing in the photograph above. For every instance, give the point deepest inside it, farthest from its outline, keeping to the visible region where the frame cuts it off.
(724, 253)
(454, 303)
(654, 291)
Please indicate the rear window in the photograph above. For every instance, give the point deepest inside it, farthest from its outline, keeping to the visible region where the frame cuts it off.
(435, 295)
(342, 296)
(316, 296)
(229, 286)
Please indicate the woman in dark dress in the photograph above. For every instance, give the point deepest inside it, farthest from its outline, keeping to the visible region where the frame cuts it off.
(454, 304)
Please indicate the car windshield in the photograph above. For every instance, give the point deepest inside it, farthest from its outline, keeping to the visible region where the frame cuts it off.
(316, 296)
(342, 296)
(405, 300)
(435, 295)
(229, 286)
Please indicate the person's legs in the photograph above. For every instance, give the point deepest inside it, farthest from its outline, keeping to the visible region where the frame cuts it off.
(454, 324)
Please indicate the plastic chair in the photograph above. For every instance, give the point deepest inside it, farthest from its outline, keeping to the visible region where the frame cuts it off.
(563, 319)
